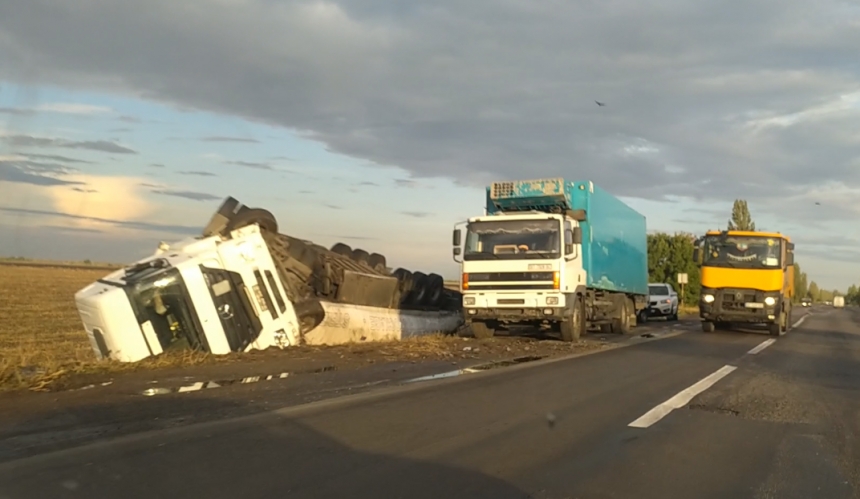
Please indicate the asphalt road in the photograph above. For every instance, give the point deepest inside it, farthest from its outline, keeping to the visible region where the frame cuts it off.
(719, 415)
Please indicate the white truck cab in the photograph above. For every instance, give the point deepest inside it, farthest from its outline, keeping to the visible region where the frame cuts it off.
(215, 294)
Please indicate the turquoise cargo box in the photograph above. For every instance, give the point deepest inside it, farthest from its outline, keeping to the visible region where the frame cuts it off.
(614, 235)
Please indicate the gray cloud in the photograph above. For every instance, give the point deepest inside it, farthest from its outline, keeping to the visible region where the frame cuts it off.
(368, 183)
(84, 190)
(175, 229)
(17, 111)
(198, 173)
(710, 100)
(54, 157)
(405, 183)
(230, 139)
(333, 206)
(60, 228)
(251, 164)
(156, 165)
(129, 119)
(34, 173)
(416, 214)
(192, 195)
(93, 145)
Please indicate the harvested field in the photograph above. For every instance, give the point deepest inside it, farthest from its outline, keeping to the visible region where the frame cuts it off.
(43, 345)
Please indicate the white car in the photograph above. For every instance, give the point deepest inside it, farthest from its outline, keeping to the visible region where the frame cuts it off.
(662, 301)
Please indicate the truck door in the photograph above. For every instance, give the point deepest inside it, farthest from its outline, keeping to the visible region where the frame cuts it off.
(238, 316)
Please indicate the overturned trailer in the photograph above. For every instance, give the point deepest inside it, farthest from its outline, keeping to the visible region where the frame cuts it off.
(244, 286)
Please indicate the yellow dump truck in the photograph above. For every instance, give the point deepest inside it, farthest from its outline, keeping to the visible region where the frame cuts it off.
(747, 278)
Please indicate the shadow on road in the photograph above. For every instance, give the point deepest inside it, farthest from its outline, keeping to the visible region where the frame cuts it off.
(263, 456)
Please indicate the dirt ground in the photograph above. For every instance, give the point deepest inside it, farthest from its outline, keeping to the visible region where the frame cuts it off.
(43, 346)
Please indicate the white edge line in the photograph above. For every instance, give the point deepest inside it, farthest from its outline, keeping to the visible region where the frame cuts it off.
(764, 344)
(682, 398)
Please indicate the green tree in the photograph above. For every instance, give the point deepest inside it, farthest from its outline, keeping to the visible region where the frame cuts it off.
(670, 255)
(853, 295)
(741, 218)
(801, 284)
(814, 292)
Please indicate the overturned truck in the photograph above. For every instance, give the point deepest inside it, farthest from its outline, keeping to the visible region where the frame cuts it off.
(243, 286)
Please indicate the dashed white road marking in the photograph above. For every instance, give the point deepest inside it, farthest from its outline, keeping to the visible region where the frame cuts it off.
(682, 398)
(800, 321)
(764, 344)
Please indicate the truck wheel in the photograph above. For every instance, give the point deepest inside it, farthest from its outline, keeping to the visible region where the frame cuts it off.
(481, 330)
(621, 324)
(435, 286)
(707, 327)
(404, 278)
(774, 328)
(419, 288)
(342, 249)
(361, 256)
(378, 262)
(574, 327)
(259, 216)
(787, 325)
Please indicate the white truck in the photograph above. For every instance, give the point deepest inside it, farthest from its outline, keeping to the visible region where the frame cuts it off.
(244, 286)
(838, 301)
(552, 253)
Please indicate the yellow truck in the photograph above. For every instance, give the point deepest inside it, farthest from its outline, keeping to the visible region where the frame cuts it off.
(747, 278)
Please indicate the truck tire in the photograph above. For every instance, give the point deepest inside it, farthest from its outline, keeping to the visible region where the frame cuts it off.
(259, 216)
(574, 327)
(707, 327)
(419, 288)
(378, 262)
(342, 249)
(435, 286)
(774, 328)
(361, 256)
(481, 330)
(621, 324)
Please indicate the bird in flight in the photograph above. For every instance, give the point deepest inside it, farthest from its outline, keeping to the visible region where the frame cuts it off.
(819, 204)
(601, 104)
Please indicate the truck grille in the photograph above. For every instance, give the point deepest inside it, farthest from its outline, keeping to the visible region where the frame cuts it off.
(734, 299)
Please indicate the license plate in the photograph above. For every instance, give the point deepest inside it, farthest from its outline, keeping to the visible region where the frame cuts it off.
(540, 266)
(754, 305)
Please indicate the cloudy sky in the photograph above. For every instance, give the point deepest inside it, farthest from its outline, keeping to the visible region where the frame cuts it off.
(377, 123)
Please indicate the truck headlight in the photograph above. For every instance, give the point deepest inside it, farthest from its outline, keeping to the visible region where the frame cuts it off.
(552, 300)
(469, 300)
(770, 301)
(708, 298)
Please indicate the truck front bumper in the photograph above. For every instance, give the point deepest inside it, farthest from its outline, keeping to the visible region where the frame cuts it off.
(515, 315)
(739, 305)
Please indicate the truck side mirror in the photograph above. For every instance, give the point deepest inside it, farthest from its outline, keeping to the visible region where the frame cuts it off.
(456, 251)
(696, 255)
(577, 235)
(789, 259)
(457, 237)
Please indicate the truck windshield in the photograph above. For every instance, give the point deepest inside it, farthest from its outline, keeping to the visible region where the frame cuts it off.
(513, 240)
(749, 252)
(160, 297)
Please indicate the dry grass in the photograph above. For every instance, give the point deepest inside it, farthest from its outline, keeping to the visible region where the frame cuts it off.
(42, 340)
(688, 310)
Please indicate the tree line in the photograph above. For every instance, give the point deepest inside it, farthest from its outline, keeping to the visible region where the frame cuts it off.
(672, 254)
